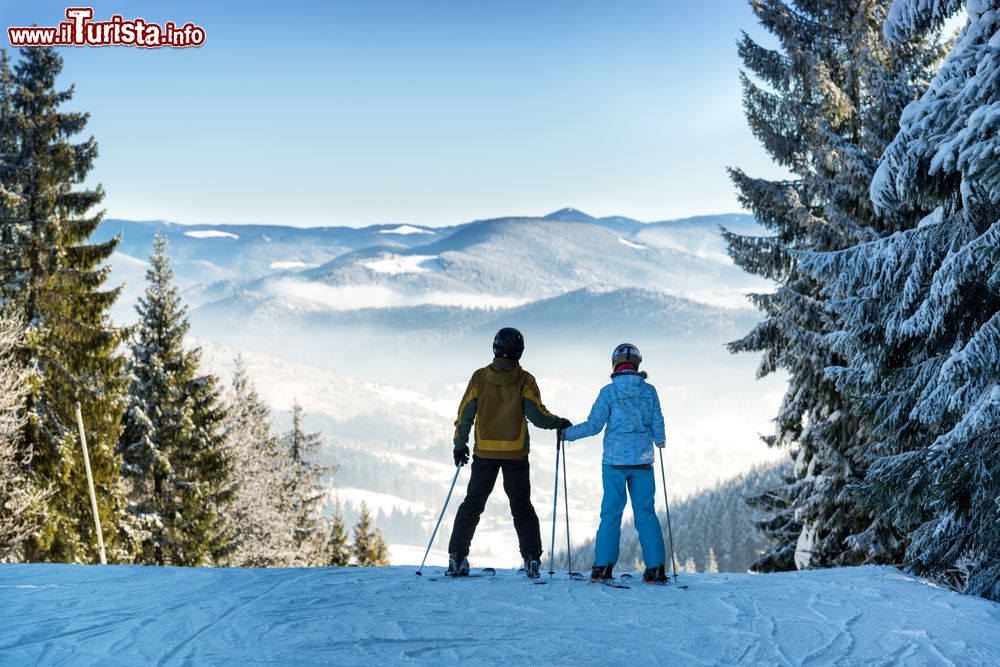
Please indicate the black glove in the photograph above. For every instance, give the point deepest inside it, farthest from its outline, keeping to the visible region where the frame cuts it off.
(461, 455)
(564, 424)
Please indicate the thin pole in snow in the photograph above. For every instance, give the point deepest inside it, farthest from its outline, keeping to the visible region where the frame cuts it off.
(454, 479)
(90, 484)
(666, 503)
(555, 507)
(569, 554)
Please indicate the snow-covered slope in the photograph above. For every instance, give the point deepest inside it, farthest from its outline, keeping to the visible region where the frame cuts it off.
(131, 615)
(530, 258)
(203, 255)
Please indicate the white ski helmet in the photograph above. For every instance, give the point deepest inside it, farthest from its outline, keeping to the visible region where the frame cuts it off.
(626, 353)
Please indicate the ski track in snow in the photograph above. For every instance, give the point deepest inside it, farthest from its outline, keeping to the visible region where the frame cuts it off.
(129, 615)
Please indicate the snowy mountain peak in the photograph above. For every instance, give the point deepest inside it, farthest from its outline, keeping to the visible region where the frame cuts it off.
(406, 230)
(211, 234)
(570, 214)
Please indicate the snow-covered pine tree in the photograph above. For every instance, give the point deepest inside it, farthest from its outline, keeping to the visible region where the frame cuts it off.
(172, 445)
(338, 551)
(911, 17)
(369, 546)
(19, 500)
(921, 313)
(824, 106)
(711, 564)
(55, 280)
(304, 489)
(9, 256)
(208, 465)
(259, 516)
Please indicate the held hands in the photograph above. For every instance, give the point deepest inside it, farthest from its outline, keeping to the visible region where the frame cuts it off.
(561, 429)
(461, 455)
(661, 444)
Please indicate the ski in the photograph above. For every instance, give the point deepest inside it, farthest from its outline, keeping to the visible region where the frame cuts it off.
(576, 576)
(666, 584)
(485, 572)
(536, 582)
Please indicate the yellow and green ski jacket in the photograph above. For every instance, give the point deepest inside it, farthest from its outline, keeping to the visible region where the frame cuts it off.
(499, 399)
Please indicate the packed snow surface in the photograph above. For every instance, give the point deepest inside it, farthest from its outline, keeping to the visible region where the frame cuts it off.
(125, 615)
(211, 234)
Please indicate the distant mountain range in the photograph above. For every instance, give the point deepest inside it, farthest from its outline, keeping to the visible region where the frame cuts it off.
(502, 262)
(256, 250)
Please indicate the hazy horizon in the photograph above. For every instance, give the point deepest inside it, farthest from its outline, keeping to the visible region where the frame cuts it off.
(445, 223)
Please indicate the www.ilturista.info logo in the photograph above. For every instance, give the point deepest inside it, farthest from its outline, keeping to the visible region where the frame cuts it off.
(81, 30)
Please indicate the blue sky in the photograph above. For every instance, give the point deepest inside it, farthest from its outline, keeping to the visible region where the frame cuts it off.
(426, 112)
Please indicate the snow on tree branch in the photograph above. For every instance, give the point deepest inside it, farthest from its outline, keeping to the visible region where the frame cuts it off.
(910, 17)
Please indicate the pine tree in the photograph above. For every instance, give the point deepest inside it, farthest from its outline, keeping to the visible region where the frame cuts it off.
(259, 514)
(824, 106)
(338, 551)
(172, 445)
(10, 258)
(920, 313)
(711, 564)
(55, 280)
(18, 498)
(304, 491)
(370, 549)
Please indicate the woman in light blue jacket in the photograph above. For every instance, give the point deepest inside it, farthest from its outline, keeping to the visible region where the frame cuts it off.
(628, 410)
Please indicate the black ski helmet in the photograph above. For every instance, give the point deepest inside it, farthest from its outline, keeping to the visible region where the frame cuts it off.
(508, 343)
(626, 353)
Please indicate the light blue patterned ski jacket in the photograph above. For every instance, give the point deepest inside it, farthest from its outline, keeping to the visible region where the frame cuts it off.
(628, 410)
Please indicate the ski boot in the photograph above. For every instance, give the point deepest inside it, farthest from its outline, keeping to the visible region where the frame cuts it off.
(655, 575)
(601, 573)
(458, 566)
(532, 567)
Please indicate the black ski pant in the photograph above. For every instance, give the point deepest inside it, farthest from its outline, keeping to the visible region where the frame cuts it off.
(517, 485)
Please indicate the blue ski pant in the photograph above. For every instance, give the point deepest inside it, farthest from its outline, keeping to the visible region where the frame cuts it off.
(641, 486)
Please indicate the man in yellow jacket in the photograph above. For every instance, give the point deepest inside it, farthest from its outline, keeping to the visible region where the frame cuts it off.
(500, 399)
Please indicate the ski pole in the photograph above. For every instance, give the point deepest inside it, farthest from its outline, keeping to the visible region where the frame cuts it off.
(666, 503)
(454, 479)
(555, 507)
(569, 554)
